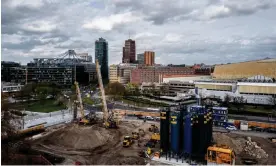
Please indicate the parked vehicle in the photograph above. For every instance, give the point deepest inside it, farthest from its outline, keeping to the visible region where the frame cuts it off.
(149, 118)
(232, 128)
(157, 118)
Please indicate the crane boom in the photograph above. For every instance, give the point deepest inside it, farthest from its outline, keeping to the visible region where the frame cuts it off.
(105, 111)
(79, 99)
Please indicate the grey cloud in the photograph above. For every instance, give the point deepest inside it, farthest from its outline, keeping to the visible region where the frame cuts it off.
(200, 41)
(160, 12)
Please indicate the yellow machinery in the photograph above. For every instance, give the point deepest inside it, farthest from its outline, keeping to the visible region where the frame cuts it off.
(155, 137)
(149, 151)
(109, 121)
(127, 141)
(221, 155)
(135, 135)
(83, 120)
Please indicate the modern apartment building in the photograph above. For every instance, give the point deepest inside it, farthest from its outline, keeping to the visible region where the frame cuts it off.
(129, 52)
(101, 54)
(149, 58)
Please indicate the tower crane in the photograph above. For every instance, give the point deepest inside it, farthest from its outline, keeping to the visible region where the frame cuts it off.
(109, 121)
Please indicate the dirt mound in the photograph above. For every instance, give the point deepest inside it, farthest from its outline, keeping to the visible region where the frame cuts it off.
(254, 150)
(224, 139)
(78, 138)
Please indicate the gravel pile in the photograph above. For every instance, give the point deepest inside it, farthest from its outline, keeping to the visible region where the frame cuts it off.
(252, 149)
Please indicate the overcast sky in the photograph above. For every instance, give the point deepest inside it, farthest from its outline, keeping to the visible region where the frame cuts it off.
(179, 31)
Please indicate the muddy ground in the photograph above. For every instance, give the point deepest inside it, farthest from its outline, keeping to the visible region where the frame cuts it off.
(239, 142)
(94, 144)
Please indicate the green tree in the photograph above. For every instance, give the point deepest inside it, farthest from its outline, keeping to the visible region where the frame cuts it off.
(115, 89)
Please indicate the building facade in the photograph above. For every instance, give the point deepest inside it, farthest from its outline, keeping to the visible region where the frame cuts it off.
(149, 58)
(13, 72)
(152, 74)
(253, 92)
(113, 73)
(101, 54)
(140, 58)
(129, 52)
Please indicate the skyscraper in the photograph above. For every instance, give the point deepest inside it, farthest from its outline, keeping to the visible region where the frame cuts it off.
(101, 54)
(149, 57)
(129, 52)
(140, 58)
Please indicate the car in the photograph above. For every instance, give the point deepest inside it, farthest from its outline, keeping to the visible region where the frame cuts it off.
(231, 128)
(149, 118)
(157, 118)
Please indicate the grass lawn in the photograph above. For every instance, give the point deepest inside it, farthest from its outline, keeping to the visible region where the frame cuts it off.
(88, 100)
(37, 106)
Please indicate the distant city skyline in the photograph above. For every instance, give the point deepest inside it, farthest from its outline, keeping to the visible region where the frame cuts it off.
(179, 32)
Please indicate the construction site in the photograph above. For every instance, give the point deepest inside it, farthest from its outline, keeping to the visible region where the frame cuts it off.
(172, 135)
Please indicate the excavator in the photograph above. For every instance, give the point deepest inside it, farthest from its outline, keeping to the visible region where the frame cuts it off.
(127, 141)
(109, 121)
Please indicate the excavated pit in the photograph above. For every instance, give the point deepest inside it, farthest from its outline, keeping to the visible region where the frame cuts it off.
(94, 144)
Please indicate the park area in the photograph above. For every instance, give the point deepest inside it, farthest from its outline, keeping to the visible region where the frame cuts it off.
(45, 106)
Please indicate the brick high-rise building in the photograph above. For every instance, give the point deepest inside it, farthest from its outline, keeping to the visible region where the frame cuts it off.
(149, 57)
(129, 52)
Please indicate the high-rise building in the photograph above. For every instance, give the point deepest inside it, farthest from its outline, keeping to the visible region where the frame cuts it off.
(149, 58)
(129, 52)
(140, 58)
(101, 54)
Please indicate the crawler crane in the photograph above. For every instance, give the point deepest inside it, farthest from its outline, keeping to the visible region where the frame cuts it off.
(109, 121)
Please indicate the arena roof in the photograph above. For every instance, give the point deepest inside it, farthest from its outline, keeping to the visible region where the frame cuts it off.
(266, 68)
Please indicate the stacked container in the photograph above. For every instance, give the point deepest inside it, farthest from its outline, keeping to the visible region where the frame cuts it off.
(220, 116)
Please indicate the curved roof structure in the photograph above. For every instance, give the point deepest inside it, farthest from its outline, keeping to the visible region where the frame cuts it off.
(266, 68)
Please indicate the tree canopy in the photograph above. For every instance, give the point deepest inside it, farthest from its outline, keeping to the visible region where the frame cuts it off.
(115, 89)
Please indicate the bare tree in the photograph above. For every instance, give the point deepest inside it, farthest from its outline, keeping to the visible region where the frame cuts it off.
(227, 99)
(239, 102)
